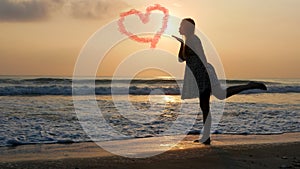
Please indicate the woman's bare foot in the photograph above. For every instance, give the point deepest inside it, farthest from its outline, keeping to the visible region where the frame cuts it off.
(207, 142)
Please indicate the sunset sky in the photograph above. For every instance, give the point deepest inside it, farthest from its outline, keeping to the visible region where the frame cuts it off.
(254, 38)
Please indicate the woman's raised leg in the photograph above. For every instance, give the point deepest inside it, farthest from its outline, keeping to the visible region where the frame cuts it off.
(222, 94)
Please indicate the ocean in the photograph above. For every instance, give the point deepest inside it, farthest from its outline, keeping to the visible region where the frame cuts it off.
(41, 109)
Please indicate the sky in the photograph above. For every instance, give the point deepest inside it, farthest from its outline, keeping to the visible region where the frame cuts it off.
(254, 39)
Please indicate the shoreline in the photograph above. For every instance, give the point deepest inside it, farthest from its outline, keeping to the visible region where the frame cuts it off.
(68, 142)
(233, 151)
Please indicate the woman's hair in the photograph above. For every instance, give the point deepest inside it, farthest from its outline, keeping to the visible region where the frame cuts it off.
(191, 25)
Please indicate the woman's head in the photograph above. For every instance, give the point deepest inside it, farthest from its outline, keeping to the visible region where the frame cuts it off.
(187, 27)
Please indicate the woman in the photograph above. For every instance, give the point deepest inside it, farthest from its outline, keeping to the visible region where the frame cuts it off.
(200, 79)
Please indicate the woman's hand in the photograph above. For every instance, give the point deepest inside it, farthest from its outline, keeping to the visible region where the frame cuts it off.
(177, 38)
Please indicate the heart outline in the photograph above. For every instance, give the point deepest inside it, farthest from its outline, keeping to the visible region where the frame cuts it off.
(145, 19)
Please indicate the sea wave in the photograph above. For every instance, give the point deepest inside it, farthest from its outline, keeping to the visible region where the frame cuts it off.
(100, 90)
(108, 81)
(84, 86)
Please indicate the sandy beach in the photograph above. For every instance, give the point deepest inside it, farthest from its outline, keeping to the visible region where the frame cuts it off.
(226, 151)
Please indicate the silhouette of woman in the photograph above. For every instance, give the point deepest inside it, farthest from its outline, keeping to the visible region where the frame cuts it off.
(200, 79)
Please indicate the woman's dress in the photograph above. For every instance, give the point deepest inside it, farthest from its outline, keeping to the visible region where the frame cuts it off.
(199, 76)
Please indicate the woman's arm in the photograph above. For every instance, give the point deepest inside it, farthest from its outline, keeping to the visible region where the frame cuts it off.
(181, 56)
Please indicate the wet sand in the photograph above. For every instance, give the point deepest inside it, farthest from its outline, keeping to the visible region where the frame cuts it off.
(226, 151)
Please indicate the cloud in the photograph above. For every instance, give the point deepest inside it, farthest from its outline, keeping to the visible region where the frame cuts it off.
(95, 9)
(34, 10)
(23, 10)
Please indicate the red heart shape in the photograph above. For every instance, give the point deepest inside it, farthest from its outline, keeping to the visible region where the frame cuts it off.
(145, 19)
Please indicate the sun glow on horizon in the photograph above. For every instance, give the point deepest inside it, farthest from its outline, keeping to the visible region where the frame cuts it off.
(169, 99)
